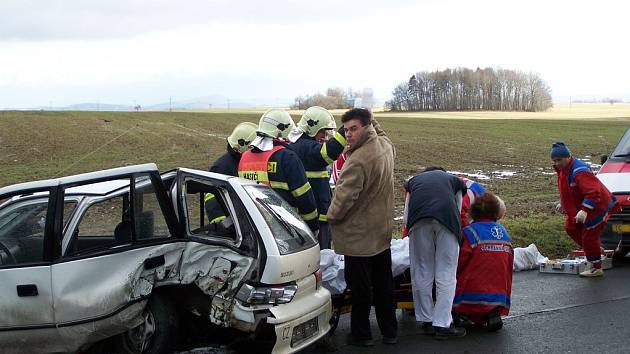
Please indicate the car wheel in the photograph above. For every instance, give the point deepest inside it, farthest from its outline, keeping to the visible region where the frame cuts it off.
(157, 334)
(621, 256)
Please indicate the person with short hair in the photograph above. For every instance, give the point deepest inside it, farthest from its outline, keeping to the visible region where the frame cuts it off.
(484, 266)
(586, 202)
(433, 221)
(474, 190)
(361, 218)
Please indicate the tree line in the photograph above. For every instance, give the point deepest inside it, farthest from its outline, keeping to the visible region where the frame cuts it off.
(335, 98)
(463, 89)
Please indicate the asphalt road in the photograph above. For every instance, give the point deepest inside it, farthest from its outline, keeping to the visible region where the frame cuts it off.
(550, 313)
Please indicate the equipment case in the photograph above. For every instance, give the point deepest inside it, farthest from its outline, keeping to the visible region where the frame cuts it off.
(575, 263)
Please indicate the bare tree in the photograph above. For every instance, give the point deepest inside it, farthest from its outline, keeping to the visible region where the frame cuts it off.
(463, 89)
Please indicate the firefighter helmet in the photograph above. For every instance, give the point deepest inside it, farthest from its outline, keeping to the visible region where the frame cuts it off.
(315, 119)
(275, 123)
(242, 135)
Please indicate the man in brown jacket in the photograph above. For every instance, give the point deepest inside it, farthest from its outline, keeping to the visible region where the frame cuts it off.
(361, 222)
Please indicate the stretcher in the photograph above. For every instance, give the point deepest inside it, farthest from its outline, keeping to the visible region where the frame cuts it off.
(403, 297)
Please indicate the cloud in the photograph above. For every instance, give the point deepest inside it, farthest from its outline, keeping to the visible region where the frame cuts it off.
(70, 51)
(115, 19)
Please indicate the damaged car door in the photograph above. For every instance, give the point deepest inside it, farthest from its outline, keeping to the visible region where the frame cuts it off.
(121, 244)
(223, 249)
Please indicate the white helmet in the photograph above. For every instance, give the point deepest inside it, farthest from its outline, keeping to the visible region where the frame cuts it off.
(275, 123)
(242, 135)
(315, 119)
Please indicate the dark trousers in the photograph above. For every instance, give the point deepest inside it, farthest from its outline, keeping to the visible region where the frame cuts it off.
(324, 235)
(371, 282)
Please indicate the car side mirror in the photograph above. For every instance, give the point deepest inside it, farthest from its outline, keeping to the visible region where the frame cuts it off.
(604, 158)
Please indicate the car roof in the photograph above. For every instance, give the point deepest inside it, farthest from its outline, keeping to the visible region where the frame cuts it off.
(108, 186)
(101, 188)
(215, 175)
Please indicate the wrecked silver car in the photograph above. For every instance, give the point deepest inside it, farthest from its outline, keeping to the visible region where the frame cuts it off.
(122, 255)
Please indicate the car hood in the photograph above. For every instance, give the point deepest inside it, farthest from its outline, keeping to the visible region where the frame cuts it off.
(615, 167)
(616, 182)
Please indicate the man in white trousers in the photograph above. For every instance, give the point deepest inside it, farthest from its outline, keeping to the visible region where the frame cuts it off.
(433, 221)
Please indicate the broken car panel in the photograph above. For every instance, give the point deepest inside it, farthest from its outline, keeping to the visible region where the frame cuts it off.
(110, 255)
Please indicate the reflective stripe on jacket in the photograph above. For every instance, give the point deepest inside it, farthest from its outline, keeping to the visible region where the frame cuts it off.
(316, 157)
(281, 169)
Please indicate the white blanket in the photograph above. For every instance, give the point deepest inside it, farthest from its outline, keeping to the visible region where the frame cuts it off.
(332, 266)
(527, 258)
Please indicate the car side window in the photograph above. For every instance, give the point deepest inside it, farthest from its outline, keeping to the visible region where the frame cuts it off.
(208, 213)
(22, 227)
(105, 223)
(149, 218)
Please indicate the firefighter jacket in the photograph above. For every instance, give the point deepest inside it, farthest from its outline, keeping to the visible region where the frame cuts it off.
(282, 169)
(227, 164)
(581, 190)
(484, 269)
(316, 157)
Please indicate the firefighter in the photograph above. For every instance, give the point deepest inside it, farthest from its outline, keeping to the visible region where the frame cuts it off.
(310, 141)
(270, 162)
(238, 142)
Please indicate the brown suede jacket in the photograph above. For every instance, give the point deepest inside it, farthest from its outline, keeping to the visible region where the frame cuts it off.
(362, 209)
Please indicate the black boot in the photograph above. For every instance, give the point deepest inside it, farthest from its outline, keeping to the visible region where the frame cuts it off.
(449, 332)
(494, 322)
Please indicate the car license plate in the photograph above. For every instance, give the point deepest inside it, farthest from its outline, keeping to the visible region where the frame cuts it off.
(304, 331)
(621, 228)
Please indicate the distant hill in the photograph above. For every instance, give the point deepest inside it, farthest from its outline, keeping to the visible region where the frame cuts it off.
(98, 107)
(204, 102)
(218, 101)
(88, 106)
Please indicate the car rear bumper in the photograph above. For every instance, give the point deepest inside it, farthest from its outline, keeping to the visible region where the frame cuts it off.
(290, 321)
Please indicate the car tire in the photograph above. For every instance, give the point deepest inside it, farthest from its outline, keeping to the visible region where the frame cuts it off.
(621, 256)
(157, 334)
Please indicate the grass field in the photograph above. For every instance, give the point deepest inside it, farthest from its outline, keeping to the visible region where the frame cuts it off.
(509, 152)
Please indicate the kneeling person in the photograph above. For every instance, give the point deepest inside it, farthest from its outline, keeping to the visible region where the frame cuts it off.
(484, 269)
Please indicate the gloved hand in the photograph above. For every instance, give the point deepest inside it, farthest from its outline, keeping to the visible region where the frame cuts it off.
(559, 208)
(580, 217)
(342, 131)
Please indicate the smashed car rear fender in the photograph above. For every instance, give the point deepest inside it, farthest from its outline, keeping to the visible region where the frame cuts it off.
(218, 272)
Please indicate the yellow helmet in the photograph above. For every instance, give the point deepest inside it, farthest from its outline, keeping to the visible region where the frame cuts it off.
(315, 119)
(275, 123)
(242, 135)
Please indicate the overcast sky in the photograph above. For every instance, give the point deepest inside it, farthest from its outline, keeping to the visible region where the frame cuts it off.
(62, 52)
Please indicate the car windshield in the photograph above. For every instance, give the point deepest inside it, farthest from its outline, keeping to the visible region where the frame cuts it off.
(290, 232)
(622, 151)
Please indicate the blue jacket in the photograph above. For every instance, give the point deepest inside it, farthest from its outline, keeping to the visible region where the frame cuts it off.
(316, 157)
(432, 195)
(227, 164)
(288, 179)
